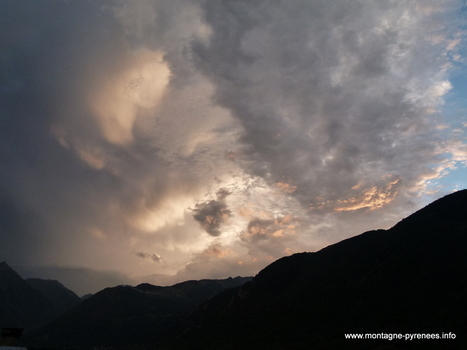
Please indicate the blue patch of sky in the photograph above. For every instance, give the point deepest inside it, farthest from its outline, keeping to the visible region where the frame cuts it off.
(454, 110)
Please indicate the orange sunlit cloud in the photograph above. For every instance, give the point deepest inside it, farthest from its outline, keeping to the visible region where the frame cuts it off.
(285, 187)
(277, 228)
(139, 85)
(92, 159)
(372, 198)
(217, 251)
(250, 212)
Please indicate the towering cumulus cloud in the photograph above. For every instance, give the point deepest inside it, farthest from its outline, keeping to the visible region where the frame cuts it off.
(220, 134)
(338, 99)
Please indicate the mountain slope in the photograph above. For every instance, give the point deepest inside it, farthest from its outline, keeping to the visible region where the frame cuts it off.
(411, 278)
(61, 297)
(20, 304)
(126, 316)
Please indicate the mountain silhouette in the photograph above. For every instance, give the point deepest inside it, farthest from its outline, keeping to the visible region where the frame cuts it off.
(20, 304)
(61, 297)
(125, 316)
(411, 278)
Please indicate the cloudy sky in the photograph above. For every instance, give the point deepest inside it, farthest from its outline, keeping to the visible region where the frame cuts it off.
(160, 141)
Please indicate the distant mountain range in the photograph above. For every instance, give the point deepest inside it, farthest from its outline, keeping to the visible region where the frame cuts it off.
(54, 316)
(31, 303)
(125, 316)
(410, 279)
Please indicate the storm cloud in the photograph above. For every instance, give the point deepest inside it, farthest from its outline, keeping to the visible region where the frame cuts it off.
(336, 99)
(220, 134)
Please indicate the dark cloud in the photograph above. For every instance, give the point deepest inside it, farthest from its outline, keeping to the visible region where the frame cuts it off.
(222, 193)
(58, 164)
(41, 59)
(212, 215)
(81, 280)
(16, 225)
(154, 257)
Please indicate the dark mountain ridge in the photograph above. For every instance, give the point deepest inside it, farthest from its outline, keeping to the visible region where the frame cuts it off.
(61, 297)
(411, 278)
(125, 316)
(20, 304)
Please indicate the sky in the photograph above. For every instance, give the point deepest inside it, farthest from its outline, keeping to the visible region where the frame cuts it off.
(162, 141)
